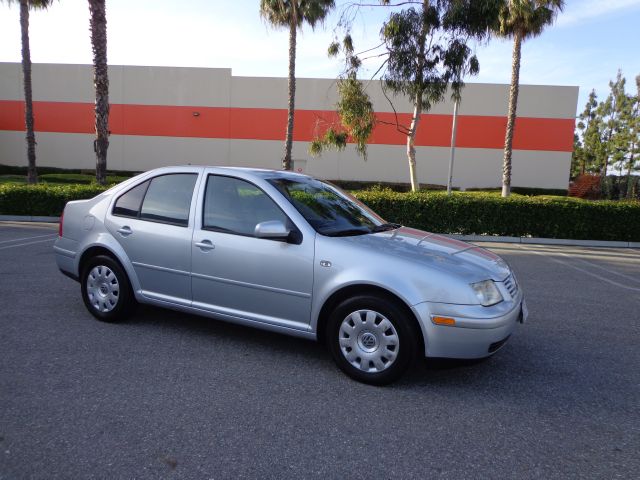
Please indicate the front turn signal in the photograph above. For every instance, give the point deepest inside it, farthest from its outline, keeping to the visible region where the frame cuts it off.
(443, 321)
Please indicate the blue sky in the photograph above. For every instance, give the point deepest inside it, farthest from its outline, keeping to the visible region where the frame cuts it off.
(590, 41)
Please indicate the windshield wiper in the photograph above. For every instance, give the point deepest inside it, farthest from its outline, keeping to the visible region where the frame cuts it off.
(385, 227)
(348, 232)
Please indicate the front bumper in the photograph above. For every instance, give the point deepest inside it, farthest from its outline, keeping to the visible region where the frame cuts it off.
(478, 332)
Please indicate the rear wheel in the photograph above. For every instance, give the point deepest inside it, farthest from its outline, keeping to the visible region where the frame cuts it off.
(371, 339)
(106, 290)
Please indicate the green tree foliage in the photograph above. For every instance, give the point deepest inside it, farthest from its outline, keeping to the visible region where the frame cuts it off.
(608, 137)
(293, 14)
(354, 107)
(634, 141)
(577, 157)
(587, 140)
(614, 114)
(425, 54)
(520, 20)
(25, 6)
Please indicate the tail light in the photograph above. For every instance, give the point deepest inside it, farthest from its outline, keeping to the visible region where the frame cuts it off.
(60, 224)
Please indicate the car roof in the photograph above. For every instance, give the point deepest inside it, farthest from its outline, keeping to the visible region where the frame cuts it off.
(264, 172)
(258, 172)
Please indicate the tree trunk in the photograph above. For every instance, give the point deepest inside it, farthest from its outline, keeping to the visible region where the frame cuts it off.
(417, 102)
(32, 175)
(288, 142)
(511, 118)
(630, 169)
(454, 128)
(605, 163)
(634, 145)
(411, 138)
(98, 24)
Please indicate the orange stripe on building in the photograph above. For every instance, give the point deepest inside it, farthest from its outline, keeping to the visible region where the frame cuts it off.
(474, 131)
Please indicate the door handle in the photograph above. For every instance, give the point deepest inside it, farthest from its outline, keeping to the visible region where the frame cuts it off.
(125, 231)
(205, 245)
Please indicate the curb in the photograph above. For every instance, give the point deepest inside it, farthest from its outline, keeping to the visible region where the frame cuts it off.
(546, 241)
(466, 238)
(21, 218)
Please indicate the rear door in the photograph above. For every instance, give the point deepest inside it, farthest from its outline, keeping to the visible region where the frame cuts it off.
(153, 222)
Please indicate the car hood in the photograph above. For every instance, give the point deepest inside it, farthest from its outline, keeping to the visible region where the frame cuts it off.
(435, 251)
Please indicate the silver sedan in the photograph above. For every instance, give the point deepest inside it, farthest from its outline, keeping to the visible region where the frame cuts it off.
(291, 254)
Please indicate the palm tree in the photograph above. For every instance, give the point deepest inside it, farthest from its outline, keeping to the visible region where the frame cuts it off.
(98, 27)
(293, 14)
(520, 19)
(25, 6)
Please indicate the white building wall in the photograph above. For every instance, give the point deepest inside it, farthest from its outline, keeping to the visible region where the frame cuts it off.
(221, 92)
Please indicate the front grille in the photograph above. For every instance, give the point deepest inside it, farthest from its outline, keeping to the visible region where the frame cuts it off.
(511, 285)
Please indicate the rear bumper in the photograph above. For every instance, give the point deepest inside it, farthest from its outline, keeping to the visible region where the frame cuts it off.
(476, 333)
(65, 258)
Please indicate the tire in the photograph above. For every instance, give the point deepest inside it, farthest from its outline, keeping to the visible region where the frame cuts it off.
(371, 339)
(106, 290)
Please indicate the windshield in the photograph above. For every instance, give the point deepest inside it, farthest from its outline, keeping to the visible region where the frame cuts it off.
(329, 210)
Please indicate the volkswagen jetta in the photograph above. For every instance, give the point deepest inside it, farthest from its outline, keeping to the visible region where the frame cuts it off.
(291, 254)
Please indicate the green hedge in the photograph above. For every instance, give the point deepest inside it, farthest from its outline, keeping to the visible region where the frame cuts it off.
(529, 191)
(490, 214)
(62, 178)
(20, 170)
(77, 178)
(464, 213)
(42, 199)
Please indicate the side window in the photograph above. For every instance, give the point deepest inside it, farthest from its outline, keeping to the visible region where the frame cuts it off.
(236, 206)
(128, 205)
(168, 199)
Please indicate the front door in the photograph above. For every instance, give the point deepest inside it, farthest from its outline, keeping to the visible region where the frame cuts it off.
(238, 275)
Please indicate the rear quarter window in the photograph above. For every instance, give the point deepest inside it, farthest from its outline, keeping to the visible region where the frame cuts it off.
(165, 199)
(128, 205)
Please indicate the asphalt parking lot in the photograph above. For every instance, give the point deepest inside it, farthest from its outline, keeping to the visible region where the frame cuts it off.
(167, 395)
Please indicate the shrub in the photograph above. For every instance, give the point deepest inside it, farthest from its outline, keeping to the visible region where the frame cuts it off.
(20, 170)
(482, 213)
(479, 213)
(529, 191)
(77, 178)
(42, 199)
(614, 188)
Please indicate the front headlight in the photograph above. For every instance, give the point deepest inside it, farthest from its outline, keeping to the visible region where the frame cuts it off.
(487, 293)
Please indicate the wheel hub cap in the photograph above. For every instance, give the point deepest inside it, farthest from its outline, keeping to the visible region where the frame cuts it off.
(368, 341)
(103, 289)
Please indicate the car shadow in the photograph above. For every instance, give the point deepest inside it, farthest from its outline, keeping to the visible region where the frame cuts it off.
(528, 369)
(198, 326)
(257, 340)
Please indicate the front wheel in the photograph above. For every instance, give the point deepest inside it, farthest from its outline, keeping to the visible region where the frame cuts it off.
(371, 339)
(106, 290)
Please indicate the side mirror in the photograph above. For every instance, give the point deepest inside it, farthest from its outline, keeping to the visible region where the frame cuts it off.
(273, 229)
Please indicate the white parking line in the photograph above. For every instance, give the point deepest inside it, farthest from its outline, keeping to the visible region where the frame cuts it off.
(599, 277)
(28, 238)
(27, 243)
(628, 277)
(628, 254)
